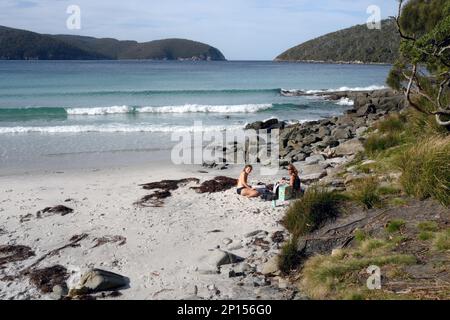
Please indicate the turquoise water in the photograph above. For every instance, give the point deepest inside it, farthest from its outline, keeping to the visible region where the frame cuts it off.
(55, 112)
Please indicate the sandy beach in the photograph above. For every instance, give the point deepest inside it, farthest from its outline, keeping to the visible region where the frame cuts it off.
(164, 251)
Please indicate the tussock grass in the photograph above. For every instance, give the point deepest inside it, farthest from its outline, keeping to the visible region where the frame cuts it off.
(442, 241)
(336, 277)
(378, 142)
(312, 210)
(425, 168)
(288, 258)
(426, 235)
(428, 226)
(365, 191)
(395, 225)
(395, 123)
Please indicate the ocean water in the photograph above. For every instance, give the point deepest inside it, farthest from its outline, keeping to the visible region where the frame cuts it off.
(68, 114)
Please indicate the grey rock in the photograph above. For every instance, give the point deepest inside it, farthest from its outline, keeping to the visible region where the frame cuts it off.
(349, 147)
(341, 133)
(271, 266)
(234, 246)
(366, 109)
(97, 280)
(254, 233)
(360, 131)
(219, 257)
(314, 159)
(227, 241)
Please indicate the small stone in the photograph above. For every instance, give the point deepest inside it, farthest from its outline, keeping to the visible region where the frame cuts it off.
(227, 241)
(254, 233)
(220, 257)
(270, 266)
(234, 246)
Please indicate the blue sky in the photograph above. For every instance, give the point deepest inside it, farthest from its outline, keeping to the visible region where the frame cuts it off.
(241, 29)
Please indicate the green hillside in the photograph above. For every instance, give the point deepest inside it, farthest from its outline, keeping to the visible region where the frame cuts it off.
(355, 44)
(18, 44)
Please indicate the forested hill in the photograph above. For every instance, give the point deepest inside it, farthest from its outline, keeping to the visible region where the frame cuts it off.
(18, 44)
(355, 44)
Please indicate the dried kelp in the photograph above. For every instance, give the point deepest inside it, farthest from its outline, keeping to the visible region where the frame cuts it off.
(109, 239)
(45, 279)
(14, 253)
(50, 211)
(164, 188)
(218, 184)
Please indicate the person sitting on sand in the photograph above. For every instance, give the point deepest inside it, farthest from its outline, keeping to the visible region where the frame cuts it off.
(243, 188)
(294, 180)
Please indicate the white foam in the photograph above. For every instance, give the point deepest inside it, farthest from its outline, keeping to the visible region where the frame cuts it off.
(187, 108)
(196, 108)
(345, 102)
(369, 88)
(99, 110)
(112, 129)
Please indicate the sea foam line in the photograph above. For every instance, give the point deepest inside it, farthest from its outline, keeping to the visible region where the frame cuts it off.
(112, 129)
(187, 108)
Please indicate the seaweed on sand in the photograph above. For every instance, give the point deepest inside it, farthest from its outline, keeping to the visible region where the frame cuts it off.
(49, 211)
(164, 187)
(10, 253)
(218, 184)
(45, 279)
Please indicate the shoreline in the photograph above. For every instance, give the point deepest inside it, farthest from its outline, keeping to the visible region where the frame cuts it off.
(173, 250)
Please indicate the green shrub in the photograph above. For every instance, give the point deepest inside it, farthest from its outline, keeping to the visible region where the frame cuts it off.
(365, 192)
(428, 226)
(288, 258)
(395, 225)
(389, 190)
(360, 235)
(425, 235)
(425, 168)
(392, 124)
(442, 241)
(377, 143)
(311, 211)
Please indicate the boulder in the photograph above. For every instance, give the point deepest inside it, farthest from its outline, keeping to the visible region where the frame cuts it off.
(361, 131)
(314, 159)
(349, 147)
(366, 109)
(271, 266)
(309, 139)
(312, 177)
(306, 169)
(254, 126)
(341, 133)
(220, 257)
(324, 131)
(97, 280)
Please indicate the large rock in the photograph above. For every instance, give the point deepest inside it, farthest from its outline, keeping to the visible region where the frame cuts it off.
(341, 133)
(271, 266)
(365, 110)
(305, 169)
(314, 159)
(313, 177)
(349, 147)
(220, 257)
(97, 280)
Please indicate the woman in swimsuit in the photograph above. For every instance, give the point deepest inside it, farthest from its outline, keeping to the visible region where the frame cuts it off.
(243, 188)
(294, 180)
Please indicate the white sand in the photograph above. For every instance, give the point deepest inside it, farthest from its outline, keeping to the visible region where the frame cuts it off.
(163, 245)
